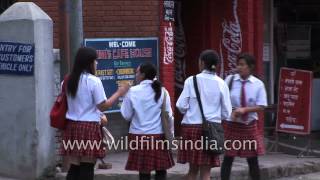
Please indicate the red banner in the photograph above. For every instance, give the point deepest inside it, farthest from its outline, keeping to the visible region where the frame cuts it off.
(294, 108)
(166, 51)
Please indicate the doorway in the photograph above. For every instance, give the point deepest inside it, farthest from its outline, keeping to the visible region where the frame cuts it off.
(192, 35)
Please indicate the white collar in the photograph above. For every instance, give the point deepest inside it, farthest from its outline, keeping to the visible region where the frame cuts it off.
(147, 81)
(250, 78)
(208, 72)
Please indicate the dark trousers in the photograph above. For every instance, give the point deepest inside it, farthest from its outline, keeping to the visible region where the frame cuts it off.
(160, 175)
(253, 168)
(84, 171)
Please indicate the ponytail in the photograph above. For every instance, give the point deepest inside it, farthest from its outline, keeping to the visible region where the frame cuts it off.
(157, 86)
(150, 72)
(210, 58)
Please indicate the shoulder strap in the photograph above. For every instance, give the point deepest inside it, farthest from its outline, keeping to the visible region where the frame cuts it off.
(231, 82)
(64, 84)
(195, 84)
(163, 107)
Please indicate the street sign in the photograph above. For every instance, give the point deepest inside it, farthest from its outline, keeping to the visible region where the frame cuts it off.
(16, 58)
(118, 59)
(294, 107)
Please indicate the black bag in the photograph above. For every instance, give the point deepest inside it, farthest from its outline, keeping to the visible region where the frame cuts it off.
(213, 135)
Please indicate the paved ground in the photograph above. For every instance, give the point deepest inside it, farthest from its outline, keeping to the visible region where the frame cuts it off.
(311, 176)
(272, 166)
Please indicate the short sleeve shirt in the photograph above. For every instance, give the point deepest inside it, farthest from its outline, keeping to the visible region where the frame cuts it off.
(90, 93)
(255, 94)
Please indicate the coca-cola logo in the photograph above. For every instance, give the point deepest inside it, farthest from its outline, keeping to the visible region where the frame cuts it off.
(168, 44)
(180, 73)
(179, 49)
(231, 43)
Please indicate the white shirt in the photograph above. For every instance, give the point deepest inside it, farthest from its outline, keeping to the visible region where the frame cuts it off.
(255, 95)
(140, 107)
(215, 98)
(90, 93)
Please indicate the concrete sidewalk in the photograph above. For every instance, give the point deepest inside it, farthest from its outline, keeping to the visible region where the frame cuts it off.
(311, 176)
(272, 166)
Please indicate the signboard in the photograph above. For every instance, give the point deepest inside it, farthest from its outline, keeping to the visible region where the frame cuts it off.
(16, 58)
(118, 60)
(294, 108)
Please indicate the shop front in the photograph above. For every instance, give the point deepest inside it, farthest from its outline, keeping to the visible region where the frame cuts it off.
(297, 45)
(229, 27)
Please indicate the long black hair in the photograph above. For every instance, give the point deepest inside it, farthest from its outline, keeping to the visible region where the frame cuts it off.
(84, 60)
(150, 72)
(210, 58)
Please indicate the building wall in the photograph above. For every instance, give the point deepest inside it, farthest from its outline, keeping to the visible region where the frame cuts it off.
(110, 18)
(52, 9)
(202, 21)
(115, 19)
(124, 18)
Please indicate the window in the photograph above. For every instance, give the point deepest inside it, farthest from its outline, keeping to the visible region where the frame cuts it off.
(4, 4)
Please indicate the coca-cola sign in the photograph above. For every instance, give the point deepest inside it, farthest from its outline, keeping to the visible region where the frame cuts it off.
(179, 49)
(168, 44)
(231, 42)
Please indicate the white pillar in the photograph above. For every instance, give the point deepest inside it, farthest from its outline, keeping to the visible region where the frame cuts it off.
(27, 140)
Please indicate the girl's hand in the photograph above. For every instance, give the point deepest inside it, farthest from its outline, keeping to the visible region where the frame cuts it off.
(103, 120)
(234, 116)
(240, 111)
(123, 89)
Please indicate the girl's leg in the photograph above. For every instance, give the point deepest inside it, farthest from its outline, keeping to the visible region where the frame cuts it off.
(73, 172)
(144, 176)
(86, 171)
(161, 175)
(254, 168)
(205, 172)
(226, 167)
(193, 172)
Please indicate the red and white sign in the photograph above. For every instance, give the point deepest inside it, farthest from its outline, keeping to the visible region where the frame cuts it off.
(294, 108)
(231, 42)
(168, 45)
(166, 49)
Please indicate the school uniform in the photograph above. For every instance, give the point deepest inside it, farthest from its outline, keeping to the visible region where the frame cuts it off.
(144, 113)
(245, 93)
(84, 118)
(215, 99)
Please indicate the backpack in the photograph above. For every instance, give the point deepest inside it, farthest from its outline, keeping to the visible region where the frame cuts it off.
(59, 110)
